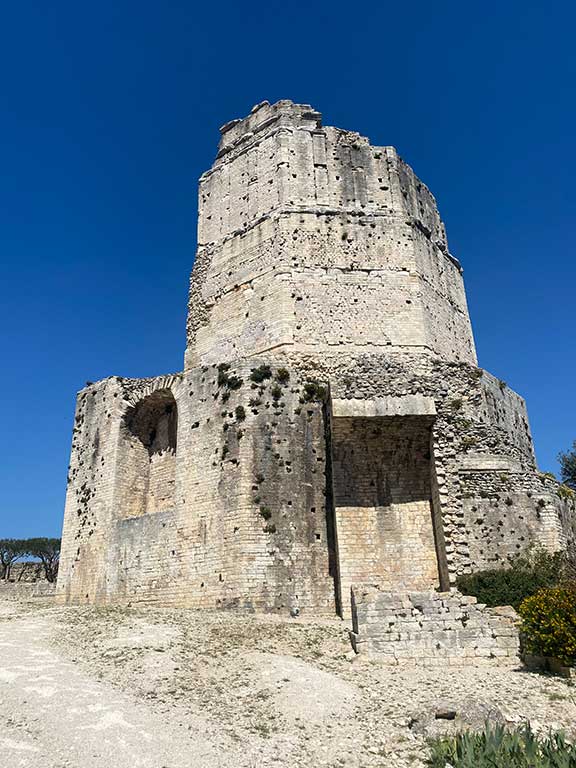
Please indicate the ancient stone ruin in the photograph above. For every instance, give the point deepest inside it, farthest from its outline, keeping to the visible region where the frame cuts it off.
(331, 426)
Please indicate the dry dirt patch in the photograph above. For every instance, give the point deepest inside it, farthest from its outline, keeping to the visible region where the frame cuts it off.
(216, 689)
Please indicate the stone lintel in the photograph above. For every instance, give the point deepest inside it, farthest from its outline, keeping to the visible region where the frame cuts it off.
(488, 462)
(407, 405)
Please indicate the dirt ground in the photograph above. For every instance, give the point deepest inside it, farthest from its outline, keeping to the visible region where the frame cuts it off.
(152, 688)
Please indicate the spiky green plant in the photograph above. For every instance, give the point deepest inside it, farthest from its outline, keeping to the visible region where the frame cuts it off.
(497, 747)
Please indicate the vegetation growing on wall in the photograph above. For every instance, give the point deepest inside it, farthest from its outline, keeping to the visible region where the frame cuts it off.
(260, 374)
(313, 391)
(282, 376)
(226, 380)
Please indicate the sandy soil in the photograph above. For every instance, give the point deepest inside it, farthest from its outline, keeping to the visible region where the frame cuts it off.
(151, 688)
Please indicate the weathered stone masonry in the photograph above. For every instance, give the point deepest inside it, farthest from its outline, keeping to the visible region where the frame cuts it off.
(432, 629)
(331, 426)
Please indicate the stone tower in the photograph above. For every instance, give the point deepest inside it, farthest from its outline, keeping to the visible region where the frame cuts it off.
(312, 241)
(331, 426)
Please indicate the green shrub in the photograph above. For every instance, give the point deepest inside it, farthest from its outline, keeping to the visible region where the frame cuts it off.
(240, 412)
(225, 380)
(313, 390)
(261, 373)
(234, 382)
(526, 574)
(549, 623)
(496, 747)
(282, 376)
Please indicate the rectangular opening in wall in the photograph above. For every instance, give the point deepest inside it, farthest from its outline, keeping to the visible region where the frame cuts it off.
(383, 503)
(145, 477)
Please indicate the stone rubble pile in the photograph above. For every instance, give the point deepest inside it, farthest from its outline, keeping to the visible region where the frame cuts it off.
(431, 628)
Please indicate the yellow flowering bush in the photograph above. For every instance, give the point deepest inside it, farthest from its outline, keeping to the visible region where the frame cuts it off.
(549, 622)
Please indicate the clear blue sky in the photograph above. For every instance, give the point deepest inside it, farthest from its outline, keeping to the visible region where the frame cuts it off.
(110, 112)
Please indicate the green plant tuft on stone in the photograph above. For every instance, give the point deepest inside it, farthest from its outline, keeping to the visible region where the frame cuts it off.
(266, 513)
(282, 376)
(261, 373)
(226, 380)
(549, 475)
(566, 493)
(314, 391)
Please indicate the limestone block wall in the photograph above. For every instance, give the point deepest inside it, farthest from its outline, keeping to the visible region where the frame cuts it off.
(491, 500)
(241, 520)
(431, 629)
(505, 512)
(383, 503)
(88, 514)
(310, 238)
(566, 506)
(24, 590)
(211, 489)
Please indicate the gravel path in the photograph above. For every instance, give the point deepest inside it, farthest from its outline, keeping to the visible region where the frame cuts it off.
(56, 715)
(151, 688)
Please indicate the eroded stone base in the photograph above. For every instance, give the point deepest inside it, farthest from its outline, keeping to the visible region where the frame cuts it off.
(431, 628)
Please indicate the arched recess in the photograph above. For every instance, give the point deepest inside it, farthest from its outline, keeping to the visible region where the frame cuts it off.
(147, 465)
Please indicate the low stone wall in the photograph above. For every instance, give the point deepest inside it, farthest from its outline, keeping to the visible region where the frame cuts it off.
(24, 589)
(27, 571)
(431, 628)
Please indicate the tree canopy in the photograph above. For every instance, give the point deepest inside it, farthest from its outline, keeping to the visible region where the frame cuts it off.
(44, 549)
(568, 467)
